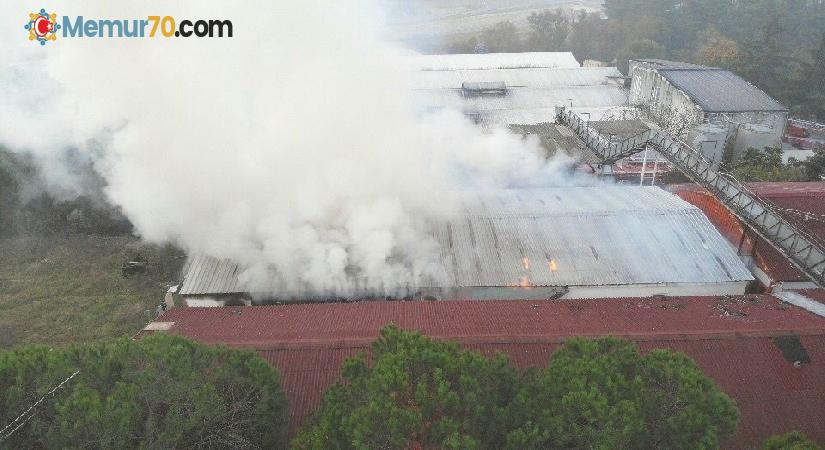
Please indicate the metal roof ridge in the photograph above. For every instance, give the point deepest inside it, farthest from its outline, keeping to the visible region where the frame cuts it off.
(801, 301)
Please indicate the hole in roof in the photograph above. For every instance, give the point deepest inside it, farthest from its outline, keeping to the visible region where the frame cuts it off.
(792, 349)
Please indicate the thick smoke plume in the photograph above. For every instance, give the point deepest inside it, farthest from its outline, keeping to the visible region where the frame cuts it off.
(293, 148)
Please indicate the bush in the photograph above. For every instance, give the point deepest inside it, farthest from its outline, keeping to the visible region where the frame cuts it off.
(158, 392)
(417, 393)
(790, 441)
(605, 394)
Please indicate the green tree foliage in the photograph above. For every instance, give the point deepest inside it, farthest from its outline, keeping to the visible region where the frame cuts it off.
(808, 86)
(548, 31)
(9, 197)
(766, 62)
(719, 50)
(643, 48)
(765, 41)
(591, 37)
(502, 37)
(158, 392)
(417, 393)
(790, 441)
(765, 165)
(26, 206)
(814, 167)
(605, 394)
(778, 45)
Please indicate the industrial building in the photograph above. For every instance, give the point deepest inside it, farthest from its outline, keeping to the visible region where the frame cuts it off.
(515, 88)
(707, 106)
(570, 242)
(526, 269)
(802, 204)
(763, 352)
(665, 269)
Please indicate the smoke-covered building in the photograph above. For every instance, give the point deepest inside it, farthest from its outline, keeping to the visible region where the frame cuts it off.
(571, 242)
(515, 88)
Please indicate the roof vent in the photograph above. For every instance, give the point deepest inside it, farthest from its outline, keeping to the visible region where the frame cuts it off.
(478, 88)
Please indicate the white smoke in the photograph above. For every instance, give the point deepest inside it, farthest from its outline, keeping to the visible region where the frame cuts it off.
(292, 148)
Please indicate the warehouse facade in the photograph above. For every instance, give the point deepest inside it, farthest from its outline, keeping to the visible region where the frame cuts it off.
(708, 106)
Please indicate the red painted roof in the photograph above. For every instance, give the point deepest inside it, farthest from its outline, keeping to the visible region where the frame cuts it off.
(801, 197)
(796, 198)
(773, 189)
(729, 337)
(793, 197)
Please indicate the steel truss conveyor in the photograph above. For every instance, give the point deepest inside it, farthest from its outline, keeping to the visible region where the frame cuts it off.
(803, 250)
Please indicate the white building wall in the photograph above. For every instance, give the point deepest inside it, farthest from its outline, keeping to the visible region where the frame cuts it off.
(674, 109)
(771, 124)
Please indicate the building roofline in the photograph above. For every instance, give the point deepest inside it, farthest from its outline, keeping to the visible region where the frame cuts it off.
(704, 107)
(495, 321)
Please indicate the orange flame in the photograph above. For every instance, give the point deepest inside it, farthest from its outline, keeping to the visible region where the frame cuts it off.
(552, 265)
(526, 263)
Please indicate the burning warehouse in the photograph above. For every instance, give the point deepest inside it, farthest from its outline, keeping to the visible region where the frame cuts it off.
(571, 242)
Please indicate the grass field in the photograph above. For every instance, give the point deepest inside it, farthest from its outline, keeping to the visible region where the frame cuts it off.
(61, 290)
(428, 24)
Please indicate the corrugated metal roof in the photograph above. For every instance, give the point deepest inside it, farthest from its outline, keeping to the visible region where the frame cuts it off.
(554, 60)
(534, 78)
(574, 236)
(207, 275)
(522, 105)
(594, 236)
(536, 83)
(716, 90)
(730, 338)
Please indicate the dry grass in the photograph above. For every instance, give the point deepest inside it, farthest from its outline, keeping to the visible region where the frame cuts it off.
(61, 290)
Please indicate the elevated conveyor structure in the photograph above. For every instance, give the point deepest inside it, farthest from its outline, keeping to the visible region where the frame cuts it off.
(803, 250)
